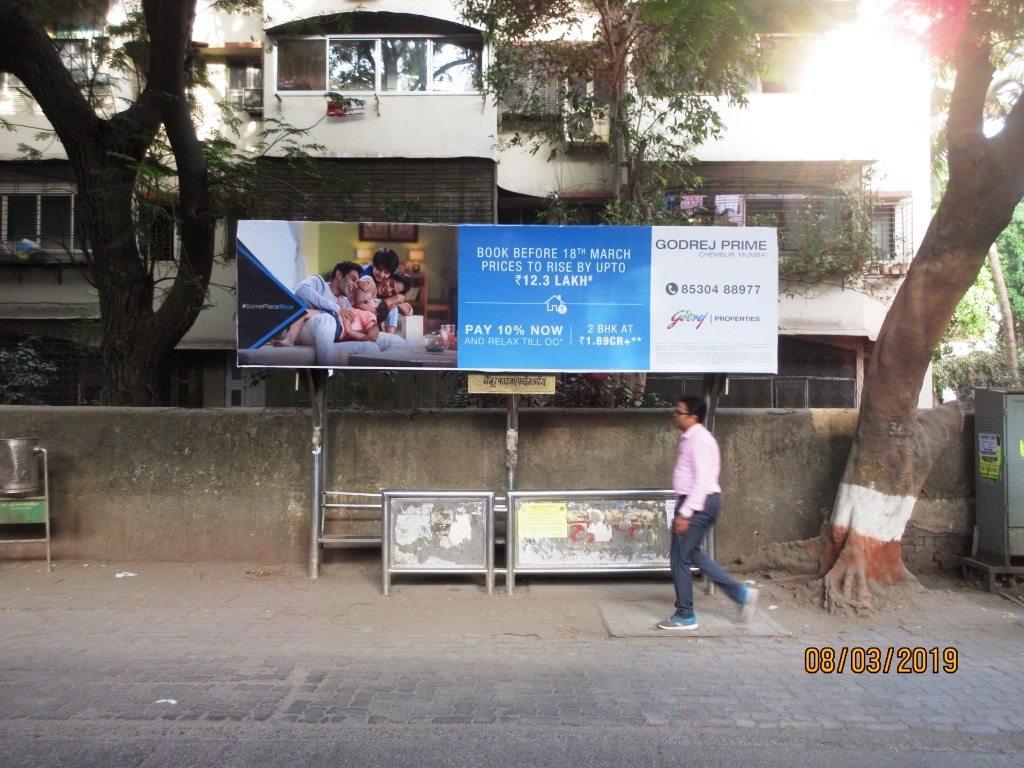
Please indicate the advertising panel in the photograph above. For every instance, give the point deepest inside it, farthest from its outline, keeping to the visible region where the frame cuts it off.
(508, 298)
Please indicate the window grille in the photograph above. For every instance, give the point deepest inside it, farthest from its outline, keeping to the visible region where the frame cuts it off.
(42, 214)
(71, 346)
(892, 222)
(82, 57)
(245, 84)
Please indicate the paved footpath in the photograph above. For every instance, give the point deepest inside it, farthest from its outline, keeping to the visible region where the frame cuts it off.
(183, 648)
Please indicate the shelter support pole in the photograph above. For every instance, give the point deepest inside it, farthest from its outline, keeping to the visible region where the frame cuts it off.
(512, 441)
(713, 386)
(317, 381)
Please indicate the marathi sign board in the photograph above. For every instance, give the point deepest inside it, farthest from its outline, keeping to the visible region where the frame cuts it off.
(532, 298)
(510, 384)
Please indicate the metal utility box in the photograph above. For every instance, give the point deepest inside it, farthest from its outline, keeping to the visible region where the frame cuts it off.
(999, 476)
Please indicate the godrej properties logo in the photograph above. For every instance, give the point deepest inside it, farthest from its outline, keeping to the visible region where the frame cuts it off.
(683, 315)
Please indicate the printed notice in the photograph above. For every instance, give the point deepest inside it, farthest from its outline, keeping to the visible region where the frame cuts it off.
(990, 455)
(542, 520)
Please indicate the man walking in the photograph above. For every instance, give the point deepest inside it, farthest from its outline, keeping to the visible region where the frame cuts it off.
(698, 496)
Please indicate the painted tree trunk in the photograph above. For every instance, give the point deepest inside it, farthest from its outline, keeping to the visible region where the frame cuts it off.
(861, 545)
(896, 445)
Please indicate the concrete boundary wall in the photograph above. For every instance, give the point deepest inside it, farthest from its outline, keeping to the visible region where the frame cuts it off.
(162, 484)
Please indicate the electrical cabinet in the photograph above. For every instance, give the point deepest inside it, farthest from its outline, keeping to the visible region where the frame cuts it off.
(999, 475)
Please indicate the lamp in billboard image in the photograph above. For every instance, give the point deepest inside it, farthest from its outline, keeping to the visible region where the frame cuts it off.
(415, 259)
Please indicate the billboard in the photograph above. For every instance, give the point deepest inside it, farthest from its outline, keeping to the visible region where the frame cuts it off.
(510, 298)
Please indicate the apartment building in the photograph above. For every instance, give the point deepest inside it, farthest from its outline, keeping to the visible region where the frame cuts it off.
(844, 108)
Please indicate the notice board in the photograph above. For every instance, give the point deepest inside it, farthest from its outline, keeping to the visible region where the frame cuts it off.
(566, 531)
(431, 531)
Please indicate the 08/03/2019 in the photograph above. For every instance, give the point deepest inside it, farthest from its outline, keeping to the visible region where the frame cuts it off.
(872, 659)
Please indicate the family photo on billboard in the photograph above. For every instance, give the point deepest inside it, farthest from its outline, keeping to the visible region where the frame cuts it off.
(331, 294)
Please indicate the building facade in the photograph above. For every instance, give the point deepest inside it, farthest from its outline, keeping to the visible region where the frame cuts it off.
(390, 92)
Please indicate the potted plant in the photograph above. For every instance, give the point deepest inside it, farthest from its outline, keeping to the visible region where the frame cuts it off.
(340, 106)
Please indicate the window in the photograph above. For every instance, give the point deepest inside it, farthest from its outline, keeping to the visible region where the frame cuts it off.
(156, 232)
(245, 84)
(46, 219)
(14, 97)
(456, 67)
(534, 96)
(407, 64)
(404, 65)
(579, 102)
(352, 65)
(302, 65)
(82, 58)
(893, 234)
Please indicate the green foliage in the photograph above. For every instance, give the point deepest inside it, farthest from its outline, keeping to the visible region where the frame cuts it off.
(1011, 253)
(961, 374)
(976, 321)
(970, 353)
(22, 369)
(600, 391)
(655, 66)
(820, 245)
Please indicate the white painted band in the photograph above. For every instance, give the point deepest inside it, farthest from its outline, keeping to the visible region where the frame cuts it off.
(871, 513)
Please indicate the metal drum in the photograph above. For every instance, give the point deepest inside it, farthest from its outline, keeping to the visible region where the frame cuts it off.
(19, 467)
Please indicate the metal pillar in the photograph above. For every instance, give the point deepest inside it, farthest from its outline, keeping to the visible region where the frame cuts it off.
(317, 381)
(511, 441)
(713, 386)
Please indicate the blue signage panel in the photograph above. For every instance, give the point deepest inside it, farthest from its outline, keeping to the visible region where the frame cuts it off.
(554, 298)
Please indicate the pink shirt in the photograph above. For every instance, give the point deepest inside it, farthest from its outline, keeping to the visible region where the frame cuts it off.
(363, 319)
(698, 462)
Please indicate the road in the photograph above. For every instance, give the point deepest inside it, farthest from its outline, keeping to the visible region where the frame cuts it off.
(155, 664)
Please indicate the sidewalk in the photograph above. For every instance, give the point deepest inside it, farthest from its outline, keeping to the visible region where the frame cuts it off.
(235, 643)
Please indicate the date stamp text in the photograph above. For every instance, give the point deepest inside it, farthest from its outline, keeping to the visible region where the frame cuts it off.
(873, 660)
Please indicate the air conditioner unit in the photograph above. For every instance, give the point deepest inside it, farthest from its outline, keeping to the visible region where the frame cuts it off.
(588, 126)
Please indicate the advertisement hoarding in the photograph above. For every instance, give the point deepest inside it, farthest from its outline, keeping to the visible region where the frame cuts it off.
(517, 298)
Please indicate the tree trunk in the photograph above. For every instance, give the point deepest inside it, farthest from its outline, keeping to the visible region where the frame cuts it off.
(894, 448)
(103, 154)
(1005, 314)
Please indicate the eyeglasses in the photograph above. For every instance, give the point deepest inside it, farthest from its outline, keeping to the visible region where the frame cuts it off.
(683, 413)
